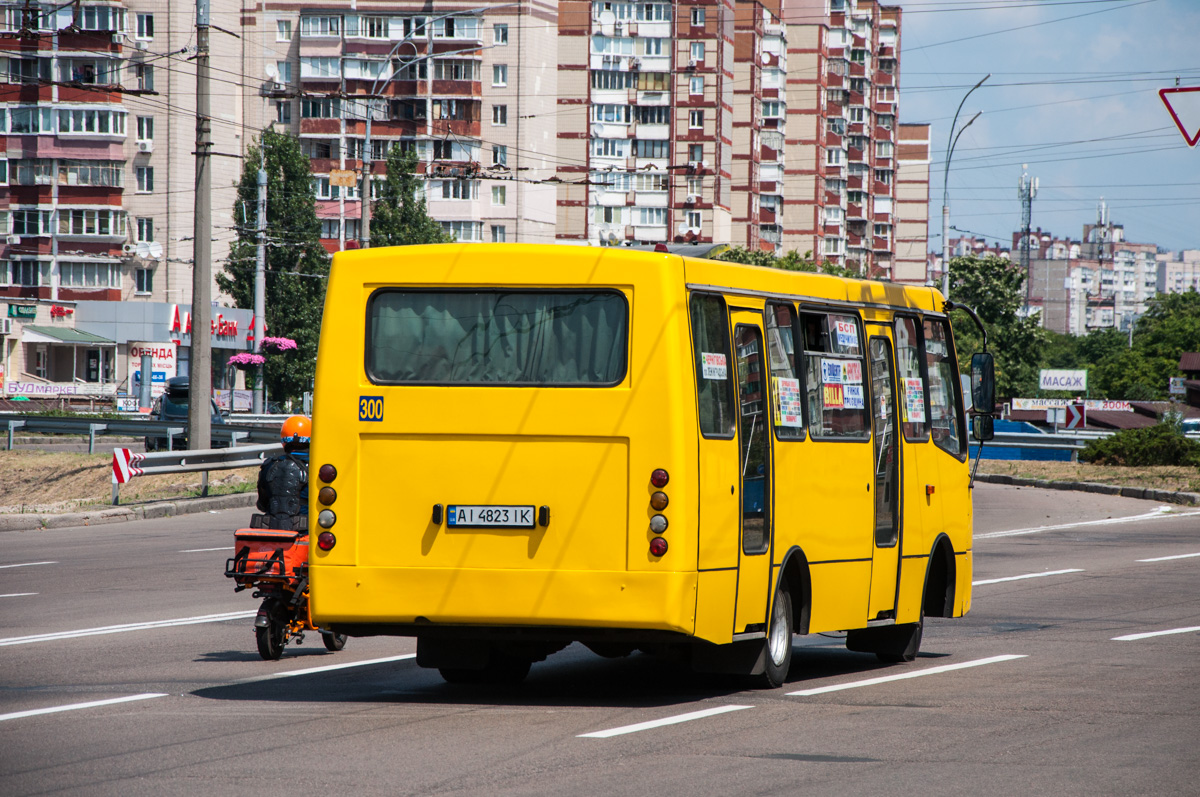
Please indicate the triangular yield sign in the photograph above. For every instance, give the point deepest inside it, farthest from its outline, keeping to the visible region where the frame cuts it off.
(1184, 106)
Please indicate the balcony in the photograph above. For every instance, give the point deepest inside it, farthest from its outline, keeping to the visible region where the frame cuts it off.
(854, 155)
(854, 211)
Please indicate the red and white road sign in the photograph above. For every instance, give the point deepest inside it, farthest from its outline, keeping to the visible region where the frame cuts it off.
(1075, 416)
(124, 465)
(1184, 106)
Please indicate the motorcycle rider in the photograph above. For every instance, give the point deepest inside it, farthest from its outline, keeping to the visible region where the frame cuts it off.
(283, 479)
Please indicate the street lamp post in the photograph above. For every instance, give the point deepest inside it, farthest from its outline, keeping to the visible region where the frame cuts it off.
(951, 142)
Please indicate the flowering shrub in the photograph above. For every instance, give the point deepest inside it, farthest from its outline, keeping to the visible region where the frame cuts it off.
(278, 344)
(246, 359)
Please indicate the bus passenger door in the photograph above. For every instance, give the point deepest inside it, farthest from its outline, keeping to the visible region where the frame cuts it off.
(886, 485)
(754, 465)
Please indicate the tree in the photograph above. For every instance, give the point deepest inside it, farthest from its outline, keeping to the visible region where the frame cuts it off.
(400, 217)
(788, 261)
(296, 265)
(994, 288)
(1170, 327)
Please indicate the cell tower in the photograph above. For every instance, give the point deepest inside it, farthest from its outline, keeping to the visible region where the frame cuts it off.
(1026, 191)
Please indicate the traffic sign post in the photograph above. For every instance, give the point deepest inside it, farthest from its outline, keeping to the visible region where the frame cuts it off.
(1184, 107)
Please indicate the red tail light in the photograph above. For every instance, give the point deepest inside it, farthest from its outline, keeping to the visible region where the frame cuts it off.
(327, 473)
(326, 541)
(659, 478)
(658, 546)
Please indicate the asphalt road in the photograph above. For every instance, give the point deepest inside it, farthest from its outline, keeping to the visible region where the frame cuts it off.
(1032, 693)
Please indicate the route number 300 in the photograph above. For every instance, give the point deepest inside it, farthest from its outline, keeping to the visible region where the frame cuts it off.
(370, 408)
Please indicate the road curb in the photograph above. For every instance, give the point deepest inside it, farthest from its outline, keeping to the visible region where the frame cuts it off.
(1165, 496)
(120, 514)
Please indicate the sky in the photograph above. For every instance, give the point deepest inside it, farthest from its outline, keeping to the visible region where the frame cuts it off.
(1073, 93)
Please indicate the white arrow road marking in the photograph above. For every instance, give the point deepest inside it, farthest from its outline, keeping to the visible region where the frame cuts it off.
(118, 629)
(645, 726)
(1027, 575)
(76, 706)
(17, 594)
(1148, 634)
(1157, 514)
(28, 564)
(1169, 558)
(904, 676)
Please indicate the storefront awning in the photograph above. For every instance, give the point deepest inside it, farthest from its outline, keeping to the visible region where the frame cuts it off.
(74, 337)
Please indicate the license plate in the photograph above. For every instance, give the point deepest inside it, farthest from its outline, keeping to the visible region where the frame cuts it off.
(489, 516)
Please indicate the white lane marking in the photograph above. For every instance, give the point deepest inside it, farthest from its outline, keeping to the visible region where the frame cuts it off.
(1160, 512)
(206, 550)
(1148, 634)
(327, 668)
(1027, 575)
(904, 676)
(27, 564)
(17, 594)
(645, 726)
(76, 706)
(117, 629)
(1169, 558)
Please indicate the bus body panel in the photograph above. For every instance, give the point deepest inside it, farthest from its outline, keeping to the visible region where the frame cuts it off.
(715, 601)
(832, 584)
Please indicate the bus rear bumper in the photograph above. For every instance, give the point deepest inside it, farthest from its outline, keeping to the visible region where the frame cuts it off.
(404, 601)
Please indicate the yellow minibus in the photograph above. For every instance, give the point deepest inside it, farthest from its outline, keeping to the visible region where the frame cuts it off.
(517, 447)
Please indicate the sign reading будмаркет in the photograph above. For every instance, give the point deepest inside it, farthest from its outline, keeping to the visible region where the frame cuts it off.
(1063, 380)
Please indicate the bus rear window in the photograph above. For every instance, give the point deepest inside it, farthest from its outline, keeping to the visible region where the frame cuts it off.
(484, 337)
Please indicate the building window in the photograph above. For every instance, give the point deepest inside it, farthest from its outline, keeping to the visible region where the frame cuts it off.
(34, 223)
(833, 214)
(883, 176)
(696, 118)
(696, 85)
(697, 52)
(771, 109)
(499, 74)
(649, 148)
(353, 228)
(89, 275)
(651, 217)
(858, 115)
(499, 234)
(697, 17)
(283, 30)
(376, 27)
(145, 179)
(331, 228)
(313, 26)
(832, 246)
(460, 189)
(144, 280)
(145, 230)
(284, 68)
(610, 147)
(695, 153)
(145, 26)
(29, 273)
(499, 194)
(693, 219)
(101, 18)
(145, 128)
(471, 231)
(321, 109)
(833, 157)
(499, 115)
(500, 34)
(608, 215)
(145, 76)
(283, 112)
(91, 222)
(3, 181)
(695, 186)
(883, 149)
(499, 155)
(652, 114)
(319, 68)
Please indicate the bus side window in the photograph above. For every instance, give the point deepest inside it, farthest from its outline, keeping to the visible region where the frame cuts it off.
(786, 396)
(912, 389)
(944, 412)
(833, 376)
(710, 337)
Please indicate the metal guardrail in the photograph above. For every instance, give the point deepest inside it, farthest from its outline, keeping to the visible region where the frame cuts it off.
(127, 465)
(166, 430)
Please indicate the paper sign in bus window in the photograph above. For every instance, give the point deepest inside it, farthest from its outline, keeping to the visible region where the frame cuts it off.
(852, 372)
(847, 333)
(714, 366)
(852, 397)
(832, 395)
(831, 372)
(914, 401)
(788, 410)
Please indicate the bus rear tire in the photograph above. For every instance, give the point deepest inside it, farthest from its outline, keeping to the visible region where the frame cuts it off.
(777, 653)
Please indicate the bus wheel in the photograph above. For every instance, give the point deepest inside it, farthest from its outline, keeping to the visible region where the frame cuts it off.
(908, 644)
(779, 640)
(333, 642)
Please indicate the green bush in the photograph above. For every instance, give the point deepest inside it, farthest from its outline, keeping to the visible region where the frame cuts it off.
(1161, 444)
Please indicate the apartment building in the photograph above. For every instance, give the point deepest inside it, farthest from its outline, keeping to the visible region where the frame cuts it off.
(97, 120)
(1178, 271)
(911, 204)
(842, 105)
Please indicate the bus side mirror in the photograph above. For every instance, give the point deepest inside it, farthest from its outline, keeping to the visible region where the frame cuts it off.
(983, 382)
(982, 428)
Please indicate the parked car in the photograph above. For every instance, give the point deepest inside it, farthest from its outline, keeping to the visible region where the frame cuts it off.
(172, 405)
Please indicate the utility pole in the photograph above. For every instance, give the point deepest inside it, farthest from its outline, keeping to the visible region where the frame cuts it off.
(1026, 191)
(200, 365)
(260, 283)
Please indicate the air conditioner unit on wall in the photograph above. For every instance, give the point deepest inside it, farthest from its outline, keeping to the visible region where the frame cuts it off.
(13, 240)
(145, 146)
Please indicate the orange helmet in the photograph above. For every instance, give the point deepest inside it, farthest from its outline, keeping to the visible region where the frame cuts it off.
(296, 430)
